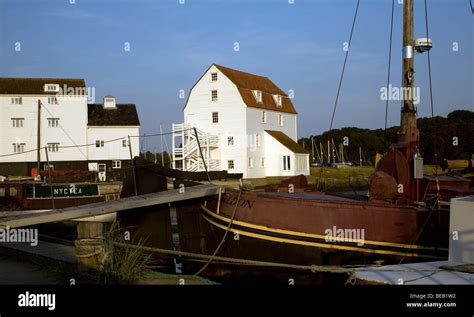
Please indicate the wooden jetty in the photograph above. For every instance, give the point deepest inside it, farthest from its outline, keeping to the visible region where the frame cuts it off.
(108, 207)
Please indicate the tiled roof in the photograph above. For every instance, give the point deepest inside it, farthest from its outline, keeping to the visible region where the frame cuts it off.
(247, 83)
(122, 115)
(287, 141)
(35, 86)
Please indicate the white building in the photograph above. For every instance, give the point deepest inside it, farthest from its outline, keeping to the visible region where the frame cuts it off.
(67, 123)
(245, 124)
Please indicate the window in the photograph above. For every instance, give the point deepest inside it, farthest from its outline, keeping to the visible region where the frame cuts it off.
(52, 101)
(258, 95)
(51, 87)
(53, 122)
(280, 120)
(214, 95)
(286, 163)
(250, 162)
(230, 164)
(18, 147)
(214, 77)
(263, 162)
(124, 143)
(264, 117)
(230, 140)
(17, 122)
(278, 100)
(102, 167)
(13, 192)
(53, 147)
(17, 100)
(215, 117)
(257, 140)
(99, 143)
(116, 164)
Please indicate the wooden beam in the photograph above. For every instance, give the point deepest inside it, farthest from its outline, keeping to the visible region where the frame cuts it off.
(110, 206)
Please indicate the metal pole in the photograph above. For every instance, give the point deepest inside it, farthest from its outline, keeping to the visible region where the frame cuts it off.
(49, 176)
(202, 156)
(162, 154)
(408, 117)
(133, 167)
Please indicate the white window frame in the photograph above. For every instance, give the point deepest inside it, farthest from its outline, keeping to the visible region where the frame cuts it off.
(214, 95)
(258, 95)
(278, 100)
(116, 164)
(230, 164)
(17, 100)
(280, 120)
(264, 117)
(53, 122)
(230, 140)
(51, 87)
(286, 162)
(52, 100)
(17, 122)
(262, 163)
(257, 140)
(18, 147)
(99, 143)
(102, 167)
(215, 117)
(250, 162)
(53, 147)
(214, 77)
(124, 143)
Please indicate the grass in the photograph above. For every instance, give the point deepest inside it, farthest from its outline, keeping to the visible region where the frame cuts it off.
(123, 263)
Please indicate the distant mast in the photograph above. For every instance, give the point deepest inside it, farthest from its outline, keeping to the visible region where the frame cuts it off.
(408, 115)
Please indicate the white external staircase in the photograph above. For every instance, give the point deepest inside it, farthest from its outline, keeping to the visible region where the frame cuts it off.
(186, 154)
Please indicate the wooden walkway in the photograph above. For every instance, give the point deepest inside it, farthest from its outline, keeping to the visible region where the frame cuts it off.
(103, 208)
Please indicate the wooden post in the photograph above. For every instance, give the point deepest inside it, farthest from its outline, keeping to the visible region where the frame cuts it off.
(408, 117)
(38, 137)
(90, 252)
(133, 167)
(49, 176)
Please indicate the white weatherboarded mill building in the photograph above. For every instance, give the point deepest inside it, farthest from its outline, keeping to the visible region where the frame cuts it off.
(245, 124)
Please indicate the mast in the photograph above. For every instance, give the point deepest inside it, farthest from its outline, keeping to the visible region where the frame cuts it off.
(312, 148)
(408, 112)
(162, 153)
(38, 136)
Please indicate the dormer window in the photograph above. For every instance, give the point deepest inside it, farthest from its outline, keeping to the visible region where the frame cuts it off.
(213, 76)
(51, 88)
(258, 95)
(278, 100)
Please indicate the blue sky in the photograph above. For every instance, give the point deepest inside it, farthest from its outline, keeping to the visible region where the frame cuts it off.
(299, 46)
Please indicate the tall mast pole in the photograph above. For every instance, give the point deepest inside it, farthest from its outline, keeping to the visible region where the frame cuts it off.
(38, 136)
(408, 116)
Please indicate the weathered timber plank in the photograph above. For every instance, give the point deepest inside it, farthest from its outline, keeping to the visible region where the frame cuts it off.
(109, 206)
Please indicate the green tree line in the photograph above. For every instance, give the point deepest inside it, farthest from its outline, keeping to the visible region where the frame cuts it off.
(451, 138)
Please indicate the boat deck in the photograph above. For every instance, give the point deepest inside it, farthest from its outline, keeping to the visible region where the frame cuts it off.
(311, 196)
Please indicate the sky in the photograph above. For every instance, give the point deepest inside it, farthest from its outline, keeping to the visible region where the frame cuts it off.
(298, 44)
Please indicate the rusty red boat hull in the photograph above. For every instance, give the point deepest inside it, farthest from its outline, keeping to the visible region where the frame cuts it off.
(292, 228)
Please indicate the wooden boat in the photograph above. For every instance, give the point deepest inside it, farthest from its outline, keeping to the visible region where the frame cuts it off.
(34, 195)
(404, 220)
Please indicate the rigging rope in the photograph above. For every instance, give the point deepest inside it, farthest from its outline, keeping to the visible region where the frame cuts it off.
(344, 65)
(224, 236)
(388, 73)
